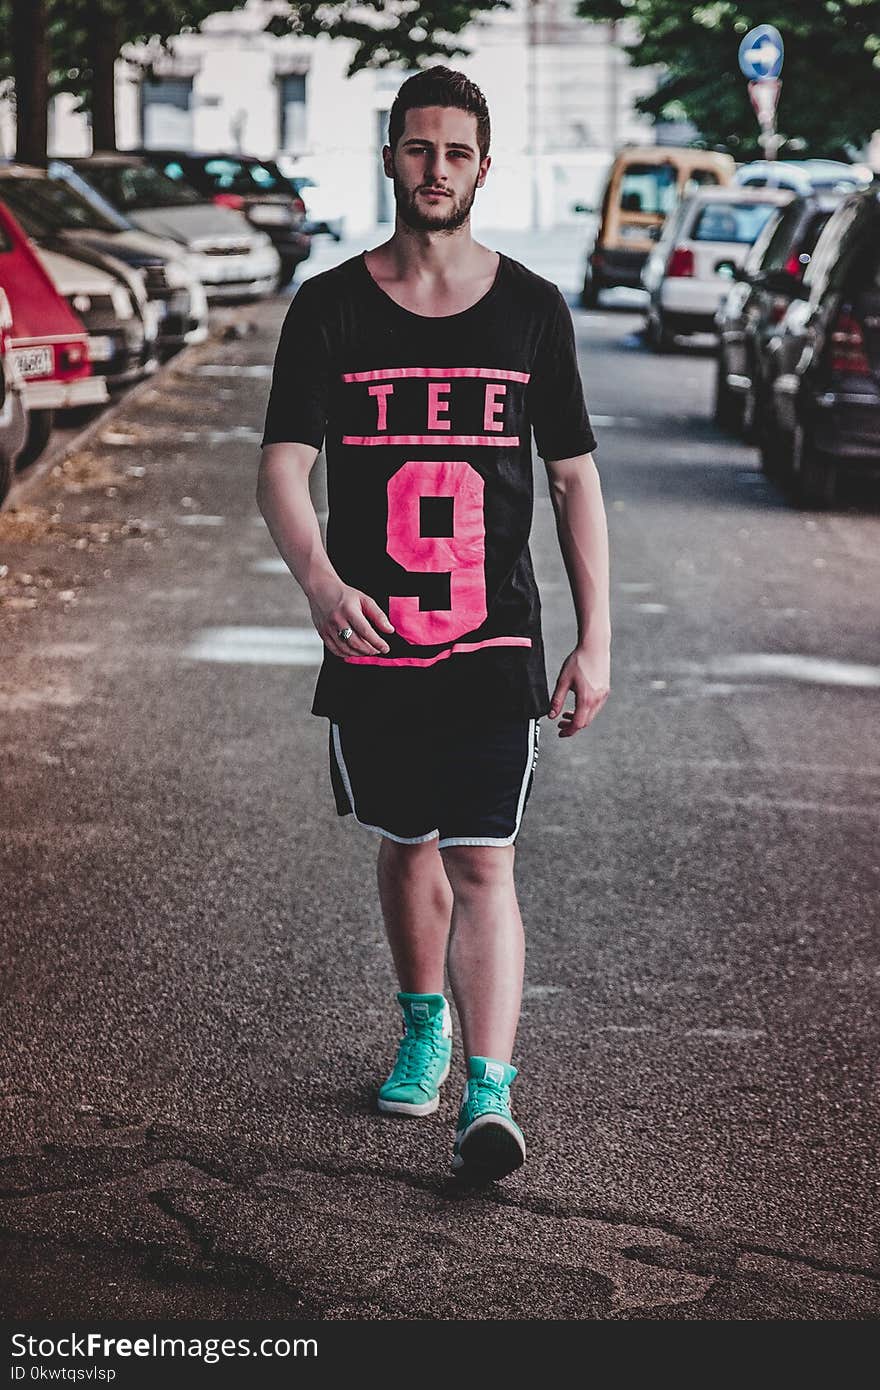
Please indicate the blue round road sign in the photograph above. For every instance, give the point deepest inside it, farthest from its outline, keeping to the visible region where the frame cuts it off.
(761, 53)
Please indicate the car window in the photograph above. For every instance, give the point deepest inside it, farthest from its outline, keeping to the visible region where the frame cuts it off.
(831, 249)
(734, 222)
(769, 249)
(233, 176)
(700, 178)
(648, 188)
(55, 205)
(139, 186)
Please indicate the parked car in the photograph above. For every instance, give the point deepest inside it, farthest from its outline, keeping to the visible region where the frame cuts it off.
(13, 411)
(252, 186)
(823, 396)
(690, 269)
(68, 210)
(49, 342)
(643, 186)
(749, 316)
(803, 175)
(231, 258)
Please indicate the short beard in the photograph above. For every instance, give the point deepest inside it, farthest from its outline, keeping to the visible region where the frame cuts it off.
(409, 214)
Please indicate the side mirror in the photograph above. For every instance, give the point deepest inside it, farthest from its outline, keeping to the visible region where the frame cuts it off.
(582, 207)
(784, 283)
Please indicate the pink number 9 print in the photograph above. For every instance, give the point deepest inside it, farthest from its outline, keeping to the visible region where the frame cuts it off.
(462, 555)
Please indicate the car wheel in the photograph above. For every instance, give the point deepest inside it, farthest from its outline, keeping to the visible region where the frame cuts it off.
(6, 472)
(727, 411)
(658, 336)
(40, 424)
(590, 291)
(814, 476)
(286, 273)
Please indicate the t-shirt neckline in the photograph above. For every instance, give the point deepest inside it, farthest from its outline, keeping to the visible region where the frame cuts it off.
(435, 318)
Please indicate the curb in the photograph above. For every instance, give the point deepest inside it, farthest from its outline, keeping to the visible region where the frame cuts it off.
(25, 484)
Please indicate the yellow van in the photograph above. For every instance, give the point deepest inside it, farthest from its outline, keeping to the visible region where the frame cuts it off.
(644, 184)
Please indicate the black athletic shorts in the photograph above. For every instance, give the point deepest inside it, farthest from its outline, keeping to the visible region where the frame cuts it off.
(461, 784)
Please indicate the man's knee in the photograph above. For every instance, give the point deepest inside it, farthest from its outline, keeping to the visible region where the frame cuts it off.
(478, 866)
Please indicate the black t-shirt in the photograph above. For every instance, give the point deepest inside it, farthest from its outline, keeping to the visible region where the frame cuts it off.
(426, 426)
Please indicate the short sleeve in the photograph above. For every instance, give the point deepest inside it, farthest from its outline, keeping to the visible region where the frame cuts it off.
(555, 392)
(297, 409)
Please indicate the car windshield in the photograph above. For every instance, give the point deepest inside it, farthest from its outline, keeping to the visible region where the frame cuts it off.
(234, 176)
(54, 206)
(648, 188)
(136, 187)
(739, 223)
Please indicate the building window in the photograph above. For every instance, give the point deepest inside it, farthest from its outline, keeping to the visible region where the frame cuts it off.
(292, 107)
(166, 112)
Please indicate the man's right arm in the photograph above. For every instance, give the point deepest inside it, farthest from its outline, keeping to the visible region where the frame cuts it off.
(285, 502)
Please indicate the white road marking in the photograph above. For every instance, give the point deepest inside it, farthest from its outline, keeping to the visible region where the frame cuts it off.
(256, 369)
(650, 608)
(813, 670)
(257, 646)
(272, 565)
(199, 519)
(609, 421)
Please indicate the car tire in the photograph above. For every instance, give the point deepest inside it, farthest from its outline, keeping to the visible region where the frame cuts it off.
(814, 477)
(727, 409)
(7, 470)
(590, 292)
(286, 273)
(40, 423)
(657, 334)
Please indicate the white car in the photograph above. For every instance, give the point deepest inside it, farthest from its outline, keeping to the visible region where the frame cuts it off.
(704, 240)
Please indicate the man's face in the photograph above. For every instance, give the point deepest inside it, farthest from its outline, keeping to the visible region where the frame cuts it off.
(436, 168)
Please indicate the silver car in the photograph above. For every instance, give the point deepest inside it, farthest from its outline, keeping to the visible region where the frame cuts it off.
(231, 258)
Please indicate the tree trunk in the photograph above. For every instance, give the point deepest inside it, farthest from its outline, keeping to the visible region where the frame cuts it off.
(30, 59)
(104, 44)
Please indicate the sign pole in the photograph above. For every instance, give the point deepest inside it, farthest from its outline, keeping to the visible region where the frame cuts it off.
(760, 59)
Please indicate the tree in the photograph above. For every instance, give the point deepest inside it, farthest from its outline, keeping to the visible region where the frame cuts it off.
(26, 22)
(85, 38)
(831, 77)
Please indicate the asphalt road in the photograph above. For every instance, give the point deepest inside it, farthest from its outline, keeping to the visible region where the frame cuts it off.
(198, 1001)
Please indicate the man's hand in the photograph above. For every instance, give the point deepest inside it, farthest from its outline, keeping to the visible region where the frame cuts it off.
(337, 605)
(587, 672)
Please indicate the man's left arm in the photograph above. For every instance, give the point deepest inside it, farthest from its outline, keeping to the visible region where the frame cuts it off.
(582, 527)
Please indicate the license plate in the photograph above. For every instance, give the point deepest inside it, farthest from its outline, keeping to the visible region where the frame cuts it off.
(37, 361)
(101, 349)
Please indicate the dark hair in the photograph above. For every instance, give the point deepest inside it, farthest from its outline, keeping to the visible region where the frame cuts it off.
(440, 86)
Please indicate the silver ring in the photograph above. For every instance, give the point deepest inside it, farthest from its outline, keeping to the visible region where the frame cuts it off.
(344, 633)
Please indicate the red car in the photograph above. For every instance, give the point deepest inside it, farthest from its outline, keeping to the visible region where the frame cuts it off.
(13, 411)
(48, 343)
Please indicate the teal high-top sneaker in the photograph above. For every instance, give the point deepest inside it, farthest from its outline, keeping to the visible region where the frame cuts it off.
(488, 1143)
(422, 1065)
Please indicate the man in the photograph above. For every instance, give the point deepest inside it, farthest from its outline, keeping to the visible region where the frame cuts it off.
(423, 366)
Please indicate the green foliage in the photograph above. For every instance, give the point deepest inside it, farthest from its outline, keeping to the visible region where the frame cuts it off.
(406, 33)
(830, 96)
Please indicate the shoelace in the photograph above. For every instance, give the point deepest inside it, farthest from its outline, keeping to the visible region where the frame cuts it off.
(485, 1096)
(417, 1051)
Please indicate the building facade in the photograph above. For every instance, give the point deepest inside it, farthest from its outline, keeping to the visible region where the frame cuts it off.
(560, 93)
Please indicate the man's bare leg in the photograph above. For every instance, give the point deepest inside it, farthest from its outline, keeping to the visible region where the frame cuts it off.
(486, 948)
(416, 903)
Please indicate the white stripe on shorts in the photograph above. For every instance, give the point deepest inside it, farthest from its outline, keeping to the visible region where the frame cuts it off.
(346, 782)
(488, 840)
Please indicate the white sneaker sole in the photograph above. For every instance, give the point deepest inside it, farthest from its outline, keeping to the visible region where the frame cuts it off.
(402, 1107)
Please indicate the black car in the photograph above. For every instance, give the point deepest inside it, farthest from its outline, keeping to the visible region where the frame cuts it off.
(823, 363)
(749, 316)
(254, 187)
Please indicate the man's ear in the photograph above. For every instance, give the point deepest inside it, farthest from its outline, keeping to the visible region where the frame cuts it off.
(484, 169)
(388, 161)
